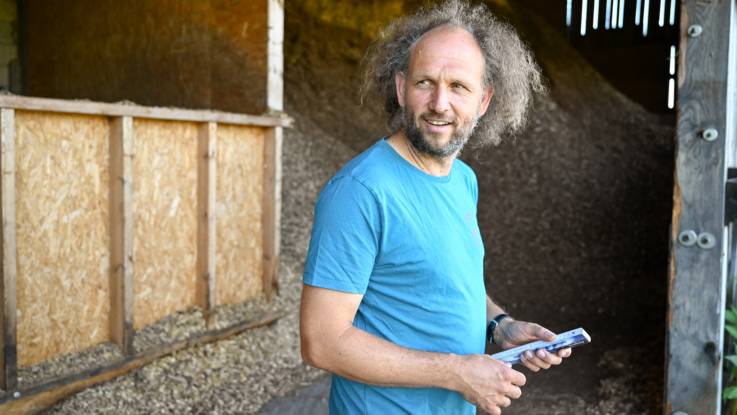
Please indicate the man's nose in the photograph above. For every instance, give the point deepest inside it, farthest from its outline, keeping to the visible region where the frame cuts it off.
(440, 102)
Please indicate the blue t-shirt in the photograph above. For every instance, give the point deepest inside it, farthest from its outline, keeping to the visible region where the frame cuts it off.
(409, 242)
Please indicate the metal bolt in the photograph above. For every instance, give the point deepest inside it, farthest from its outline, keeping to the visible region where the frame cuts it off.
(687, 238)
(710, 349)
(710, 134)
(695, 30)
(706, 240)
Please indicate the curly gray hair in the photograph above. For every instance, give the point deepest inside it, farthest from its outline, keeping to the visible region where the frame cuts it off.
(509, 66)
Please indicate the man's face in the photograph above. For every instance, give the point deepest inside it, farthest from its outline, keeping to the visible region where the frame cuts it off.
(443, 93)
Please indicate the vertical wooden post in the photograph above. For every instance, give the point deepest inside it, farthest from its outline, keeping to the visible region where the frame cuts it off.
(731, 157)
(8, 357)
(697, 291)
(732, 90)
(206, 222)
(275, 58)
(272, 150)
(121, 233)
(271, 211)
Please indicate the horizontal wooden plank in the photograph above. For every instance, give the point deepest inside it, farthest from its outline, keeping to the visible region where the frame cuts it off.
(35, 399)
(132, 110)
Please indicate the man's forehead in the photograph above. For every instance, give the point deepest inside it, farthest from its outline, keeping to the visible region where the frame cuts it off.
(459, 41)
(449, 43)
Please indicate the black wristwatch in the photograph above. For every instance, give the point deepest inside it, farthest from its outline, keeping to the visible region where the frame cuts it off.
(492, 326)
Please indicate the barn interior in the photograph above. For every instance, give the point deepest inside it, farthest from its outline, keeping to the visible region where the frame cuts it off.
(575, 211)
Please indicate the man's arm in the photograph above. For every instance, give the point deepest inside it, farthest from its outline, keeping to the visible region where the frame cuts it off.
(492, 310)
(331, 342)
(512, 333)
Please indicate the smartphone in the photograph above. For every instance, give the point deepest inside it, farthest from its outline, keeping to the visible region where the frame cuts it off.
(563, 340)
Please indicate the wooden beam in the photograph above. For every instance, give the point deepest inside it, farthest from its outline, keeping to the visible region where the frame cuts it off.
(138, 111)
(732, 90)
(206, 223)
(271, 206)
(8, 357)
(275, 56)
(271, 210)
(121, 233)
(695, 322)
(38, 398)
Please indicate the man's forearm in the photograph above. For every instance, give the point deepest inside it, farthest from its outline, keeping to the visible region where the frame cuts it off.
(335, 345)
(363, 357)
(492, 310)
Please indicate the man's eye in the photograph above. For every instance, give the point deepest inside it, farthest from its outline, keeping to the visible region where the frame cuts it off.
(423, 82)
(459, 86)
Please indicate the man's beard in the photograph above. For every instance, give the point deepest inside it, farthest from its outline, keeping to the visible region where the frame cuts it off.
(458, 139)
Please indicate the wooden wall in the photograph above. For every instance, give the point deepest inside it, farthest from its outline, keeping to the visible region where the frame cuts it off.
(240, 187)
(108, 233)
(62, 234)
(164, 218)
(189, 54)
(117, 215)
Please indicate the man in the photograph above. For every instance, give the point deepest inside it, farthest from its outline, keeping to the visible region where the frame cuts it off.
(394, 303)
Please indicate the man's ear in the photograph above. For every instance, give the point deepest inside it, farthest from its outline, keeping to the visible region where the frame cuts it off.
(486, 99)
(399, 81)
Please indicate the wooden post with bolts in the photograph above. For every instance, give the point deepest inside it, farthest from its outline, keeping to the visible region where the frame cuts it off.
(698, 263)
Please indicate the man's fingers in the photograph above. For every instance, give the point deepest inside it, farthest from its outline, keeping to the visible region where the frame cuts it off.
(513, 392)
(542, 333)
(502, 401)
(549, 358)
(537, 360)
(565, 352)
(515, 377)
(541, 359)
(528, 364)
(541, 363)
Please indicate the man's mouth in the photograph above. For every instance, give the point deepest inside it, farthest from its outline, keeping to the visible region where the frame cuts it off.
(438, 123)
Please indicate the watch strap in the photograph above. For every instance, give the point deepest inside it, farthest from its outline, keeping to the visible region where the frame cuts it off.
(492, 326)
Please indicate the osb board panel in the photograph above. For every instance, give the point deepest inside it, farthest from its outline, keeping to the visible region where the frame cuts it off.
(62, 234)
(164, 218)
(239, 263)
(190, 54)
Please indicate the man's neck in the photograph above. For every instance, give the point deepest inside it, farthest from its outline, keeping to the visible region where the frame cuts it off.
(424, 162)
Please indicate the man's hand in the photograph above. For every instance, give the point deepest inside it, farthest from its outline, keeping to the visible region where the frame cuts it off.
(488, 383)
(512, 333)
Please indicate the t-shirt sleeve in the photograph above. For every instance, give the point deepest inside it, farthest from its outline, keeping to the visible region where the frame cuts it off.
(473, 184)
(345, 237)
(474, 188)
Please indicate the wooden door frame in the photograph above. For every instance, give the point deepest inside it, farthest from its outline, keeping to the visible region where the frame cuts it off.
(698, 273)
